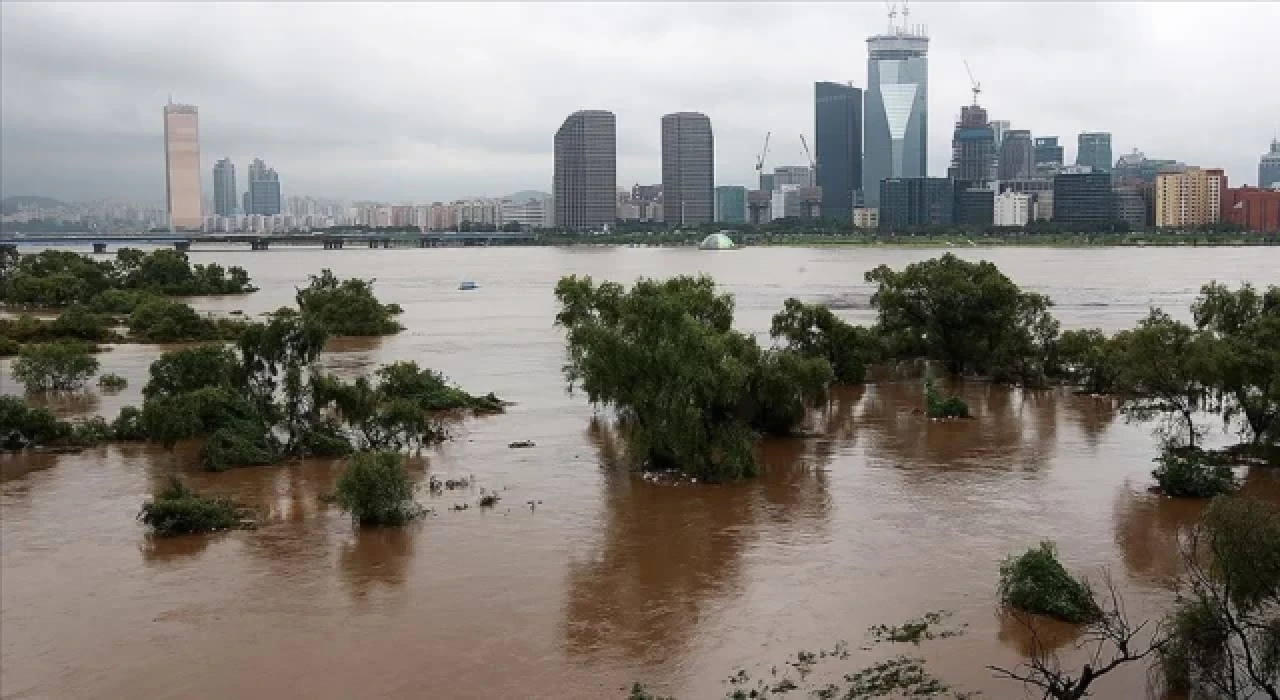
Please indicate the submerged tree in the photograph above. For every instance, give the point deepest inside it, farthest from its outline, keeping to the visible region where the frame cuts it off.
(1244, 372)
(375, 489)
(689, 389)
(1164, 366)
(812, 330)
(62, 366)
(346, 307)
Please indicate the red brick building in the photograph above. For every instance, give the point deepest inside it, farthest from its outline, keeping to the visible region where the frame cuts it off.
(1255, 209)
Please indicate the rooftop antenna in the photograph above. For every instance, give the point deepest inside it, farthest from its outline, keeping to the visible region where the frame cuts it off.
(977, 86)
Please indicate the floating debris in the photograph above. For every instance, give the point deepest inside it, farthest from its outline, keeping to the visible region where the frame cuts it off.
(521, 443)
(488, 500)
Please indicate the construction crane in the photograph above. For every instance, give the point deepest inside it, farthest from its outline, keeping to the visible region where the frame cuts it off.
(760, 159)
(893, 13)
(977, 86)
(813, 167)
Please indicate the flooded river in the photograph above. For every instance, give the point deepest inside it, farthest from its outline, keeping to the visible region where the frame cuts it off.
(609, 580)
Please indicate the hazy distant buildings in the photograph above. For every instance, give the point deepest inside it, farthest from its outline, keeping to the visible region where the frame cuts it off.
(731, 204)
(1047, 155)
(916, 201)
(529, 212)
(1134, 168)
(837, 128)
(264, 190)
(973, 147)
(1134, 205)
(183, 200)
(1189, 198)
(1017, 155)
(585, 174)
(1269, 166)
(688, 169)
(1083, 199)
(224, 188)
(798, 175)
(897, 109)
(1094, 151)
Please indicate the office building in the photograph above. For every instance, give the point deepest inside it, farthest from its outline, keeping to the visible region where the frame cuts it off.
(784, 202)
(1134, 168)
(974, 206)
(866, 217)
(973, 147)
(1189, 198)
(917, 201)
(586, 171)
(1047, 155)
(1083, 199)
(1094, 151)
(999, 127)
(1269, 166)
(766, 182)
(1257, 210)
(837, 128)
(759, 206)
(798, 175)
(183, 199)
(688, 169)
(224, 188)
(264, 190)
(1012, 209)
(1017, 156)
(1134, 205)
(897, 109)
(529, 212)
(731, 204)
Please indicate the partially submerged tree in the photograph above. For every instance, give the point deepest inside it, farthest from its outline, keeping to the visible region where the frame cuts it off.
(1165, 363)
(812, 330)
(375, 489)
(346, 307)
(177, 510)
(63, 366)
(1036, 582)
(1244, 373)
(689, 390)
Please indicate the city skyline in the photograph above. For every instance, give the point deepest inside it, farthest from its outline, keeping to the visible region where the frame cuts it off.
(77, 104)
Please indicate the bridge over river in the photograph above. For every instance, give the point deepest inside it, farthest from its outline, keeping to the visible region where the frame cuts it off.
(329, 240)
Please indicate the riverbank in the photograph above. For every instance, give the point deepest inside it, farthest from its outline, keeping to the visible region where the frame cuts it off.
(922, 241)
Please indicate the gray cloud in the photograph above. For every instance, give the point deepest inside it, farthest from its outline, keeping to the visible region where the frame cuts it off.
(411, 102)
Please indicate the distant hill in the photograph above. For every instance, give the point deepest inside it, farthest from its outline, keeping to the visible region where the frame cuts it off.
(525, 195)
(9, 205)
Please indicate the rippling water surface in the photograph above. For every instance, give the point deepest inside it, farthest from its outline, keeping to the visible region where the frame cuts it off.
(609, 579)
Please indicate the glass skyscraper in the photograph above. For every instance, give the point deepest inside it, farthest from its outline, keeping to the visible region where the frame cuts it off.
(837, 117)
(183, 200)
(1269, 166)
(224, 188)
(897, 109)
(1094, 150)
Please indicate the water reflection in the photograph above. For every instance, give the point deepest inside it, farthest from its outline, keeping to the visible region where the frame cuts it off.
(166, 550)
(1030, 635)
(376, 556)
(670, 555)
(67, 404)
(1093, 414)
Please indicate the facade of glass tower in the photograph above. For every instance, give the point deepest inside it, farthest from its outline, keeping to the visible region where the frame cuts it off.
(837, 116)
(897, 109)
(688, 169)
(183, 200)
(586, 171)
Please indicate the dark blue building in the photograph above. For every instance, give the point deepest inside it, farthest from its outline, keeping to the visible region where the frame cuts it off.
(837, 117)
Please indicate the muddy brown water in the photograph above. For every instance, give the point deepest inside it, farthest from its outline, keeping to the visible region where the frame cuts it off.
(609, 579)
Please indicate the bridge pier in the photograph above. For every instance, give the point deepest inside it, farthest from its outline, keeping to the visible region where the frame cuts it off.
(182, 246)
(99, 247)
(259, 244)
(333, 244)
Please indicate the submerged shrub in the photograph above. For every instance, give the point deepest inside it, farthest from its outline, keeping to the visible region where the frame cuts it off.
(939, 406)
(62, 366)
(112, 382)
(375, 489)
(177, 510)
(128, 425)
(241, 443)
(1036, 582)
(23, 426)
(1189, 473)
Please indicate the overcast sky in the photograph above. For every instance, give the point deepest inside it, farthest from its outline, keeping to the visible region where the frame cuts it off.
(417, 102)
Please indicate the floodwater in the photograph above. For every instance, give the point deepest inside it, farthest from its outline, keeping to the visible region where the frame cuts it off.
(609, 579)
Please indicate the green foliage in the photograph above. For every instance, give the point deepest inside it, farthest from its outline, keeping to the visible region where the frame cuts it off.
(1036, 582)
(346, 307)
(1190, 473)
(375, 489)
(121, 301)
(167, 271)
(689, 389)
(128, 426)
(57, 278)
(1092, 360)
(938, 406)
(61, 278)
(74, 324)
(1164, 365)
(112, 382)
(177, 510)
(966, 315)
(23, 426)
(187, 369)
(1244, 372)
(62, 366)
(90, 431)
(812, 330)
(161, 320)
(1224, 632)
(8, 346)
(429, 390)
(240, 443)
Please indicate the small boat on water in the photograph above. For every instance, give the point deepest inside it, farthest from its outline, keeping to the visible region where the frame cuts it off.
(468, 285)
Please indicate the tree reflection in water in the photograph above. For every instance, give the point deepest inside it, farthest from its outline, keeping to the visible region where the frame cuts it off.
(376, 556)
(671, 554)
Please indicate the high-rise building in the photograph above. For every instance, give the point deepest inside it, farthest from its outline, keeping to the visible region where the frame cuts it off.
(916, 201)
(1017, 155)
(1192, 197)
(1083, 199)
(1254, 209)
(973, 148)
(837, 128)
(999, 127)
(974, 206)
(731, 204)
(264, 190)
(1134, 168)
(688, 169)
(586, 170)
(1048, 155)
(1134, 205)
(1094, 151)
(1269, 166)
(798, 175)
(897, 109)
(183, 200)
(1012, 209)
(224, 188)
